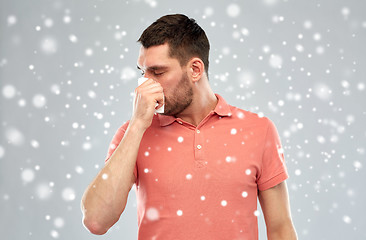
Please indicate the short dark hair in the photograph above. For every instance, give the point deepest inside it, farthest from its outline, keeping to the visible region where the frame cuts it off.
(185, 37)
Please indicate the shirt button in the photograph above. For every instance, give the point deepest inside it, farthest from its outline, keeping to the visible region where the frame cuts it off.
(199, 146)
(198, 131)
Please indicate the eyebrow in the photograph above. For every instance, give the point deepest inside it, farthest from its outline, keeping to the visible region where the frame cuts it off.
(154, 68)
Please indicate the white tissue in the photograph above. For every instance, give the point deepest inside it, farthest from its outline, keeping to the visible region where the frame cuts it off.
(142, 80)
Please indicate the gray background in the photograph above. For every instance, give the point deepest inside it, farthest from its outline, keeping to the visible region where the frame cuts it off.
(68, 69)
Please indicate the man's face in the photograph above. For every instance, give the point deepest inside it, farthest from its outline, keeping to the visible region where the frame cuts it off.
(155, 63)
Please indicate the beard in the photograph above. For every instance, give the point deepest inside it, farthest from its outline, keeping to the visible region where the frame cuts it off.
(180, 99)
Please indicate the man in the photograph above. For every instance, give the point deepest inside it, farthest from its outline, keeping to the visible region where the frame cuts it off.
(199, 166)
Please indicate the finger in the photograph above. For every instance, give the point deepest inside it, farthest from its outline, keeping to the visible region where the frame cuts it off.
(148, 91)
(153, 85)
(151, 90)
(150, 85)
(147, 82)
(160, 99)
(159, 106)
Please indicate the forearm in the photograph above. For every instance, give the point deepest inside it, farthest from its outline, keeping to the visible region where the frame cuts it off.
(283, 232)
(106, 197)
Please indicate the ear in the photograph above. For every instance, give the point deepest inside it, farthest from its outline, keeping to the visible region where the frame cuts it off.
(196, 69)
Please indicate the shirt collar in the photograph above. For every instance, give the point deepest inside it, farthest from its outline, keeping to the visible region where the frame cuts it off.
(221, 109)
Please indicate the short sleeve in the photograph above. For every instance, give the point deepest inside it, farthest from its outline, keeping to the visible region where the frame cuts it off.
(273, 168)
(117, 138)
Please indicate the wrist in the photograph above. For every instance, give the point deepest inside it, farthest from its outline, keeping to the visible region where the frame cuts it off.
(137, 127)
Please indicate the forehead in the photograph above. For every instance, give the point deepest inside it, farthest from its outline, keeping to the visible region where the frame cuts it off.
(155, 55)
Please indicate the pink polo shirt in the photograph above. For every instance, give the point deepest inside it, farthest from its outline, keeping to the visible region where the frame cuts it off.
(202, 182)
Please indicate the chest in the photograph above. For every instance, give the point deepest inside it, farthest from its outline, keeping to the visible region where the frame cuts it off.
(180, 163)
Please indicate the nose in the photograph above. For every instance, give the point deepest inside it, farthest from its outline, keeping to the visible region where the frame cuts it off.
(146, 75)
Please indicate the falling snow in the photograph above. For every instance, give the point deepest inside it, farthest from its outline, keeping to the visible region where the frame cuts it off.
(49, 45)
(233, 10)
(28, 175)
(59, 222)
(68, 194)
(2, 151)
(44, 191)
(67, 73)
(152, 214)
(39, 100)
(9, 91)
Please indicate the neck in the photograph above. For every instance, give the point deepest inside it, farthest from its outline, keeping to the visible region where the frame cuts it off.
(204, 101)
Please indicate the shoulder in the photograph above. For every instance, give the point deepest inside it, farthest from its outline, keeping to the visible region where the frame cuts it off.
(249, 116)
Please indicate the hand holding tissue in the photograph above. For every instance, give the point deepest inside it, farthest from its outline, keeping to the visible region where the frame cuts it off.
(140, 81)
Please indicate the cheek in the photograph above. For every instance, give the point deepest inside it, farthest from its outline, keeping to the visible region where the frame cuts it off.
(170, 82)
